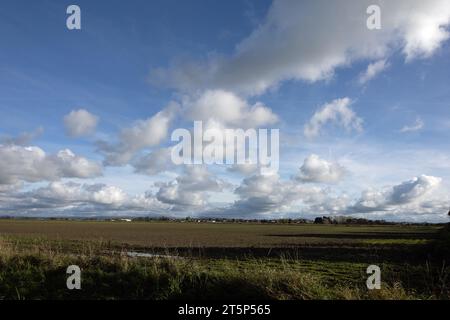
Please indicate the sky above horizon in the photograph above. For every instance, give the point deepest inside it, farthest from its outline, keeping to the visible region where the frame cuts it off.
(87, 115)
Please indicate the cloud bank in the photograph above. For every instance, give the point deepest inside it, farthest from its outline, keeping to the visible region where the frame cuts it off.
(309, 40)
(32, 164)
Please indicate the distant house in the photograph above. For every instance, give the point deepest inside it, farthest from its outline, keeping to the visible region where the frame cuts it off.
(126, 220)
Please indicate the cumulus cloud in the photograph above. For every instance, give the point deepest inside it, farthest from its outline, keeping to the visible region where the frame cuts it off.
(262, 194)
(405, 193)
(155, 162)
(416, 126)
(80, 123)
(59, 198)
(308, 40)
(315, 169)
(337, 112)
(68, 193)
(372, 71)
(268, 194)
(143, 134)
(191, 189)
(404, 201)
(259, 195)
(32, 164)
(218, 109)
(229, 109)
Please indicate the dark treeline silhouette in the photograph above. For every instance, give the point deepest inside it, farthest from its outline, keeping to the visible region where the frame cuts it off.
(337, 220)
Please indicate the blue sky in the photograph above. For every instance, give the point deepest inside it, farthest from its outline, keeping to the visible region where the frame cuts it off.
(132, 60)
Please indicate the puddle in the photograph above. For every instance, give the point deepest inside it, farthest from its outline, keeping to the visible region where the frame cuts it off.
(150, 255)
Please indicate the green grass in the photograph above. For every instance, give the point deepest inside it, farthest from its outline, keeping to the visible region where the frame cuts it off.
(252, 261)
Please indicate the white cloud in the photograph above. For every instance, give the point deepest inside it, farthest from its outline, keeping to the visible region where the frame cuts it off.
(262, 194)
(143, 134)
(417, 126)
(69, 193)
(372, 71)
(219, 110)
(308, 40)
(425, 28)
(315, 169)
(191, 189)
(155, 162)
(80, 123)
(62, 198)
(414, 189)
(259, 195)
(268, 194)
(405, 193)
(109, 195)
(337, 112)
(228, 109)
(32, 164)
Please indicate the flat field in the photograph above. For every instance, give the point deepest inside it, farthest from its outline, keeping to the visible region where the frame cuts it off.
(225, 260)
(178, 234)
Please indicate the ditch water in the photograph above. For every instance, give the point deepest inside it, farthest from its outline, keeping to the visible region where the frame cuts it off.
(135, 254)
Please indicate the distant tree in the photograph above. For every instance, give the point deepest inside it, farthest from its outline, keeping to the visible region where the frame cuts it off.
(318, 220)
